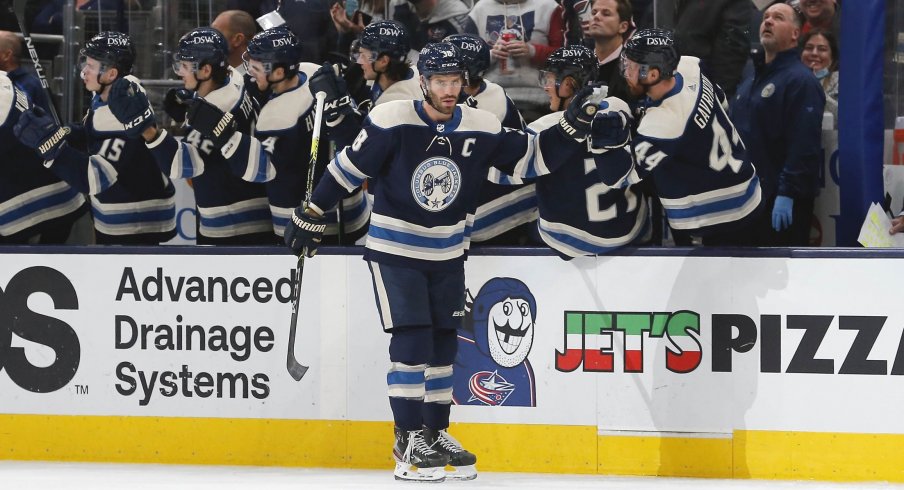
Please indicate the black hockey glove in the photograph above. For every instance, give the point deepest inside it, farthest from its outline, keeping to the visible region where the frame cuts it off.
(211, 122)
(176, 102)
(575, 122)
(337, 102)
(611, 126)
(37, 130)
(130, 106)
(254, 92)
(304, 233)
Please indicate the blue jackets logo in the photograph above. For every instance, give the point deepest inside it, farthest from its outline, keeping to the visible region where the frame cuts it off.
(17, 319)
(491, 367)
(436, 183)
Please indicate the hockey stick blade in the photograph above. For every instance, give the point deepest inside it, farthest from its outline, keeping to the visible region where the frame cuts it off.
(296, 369)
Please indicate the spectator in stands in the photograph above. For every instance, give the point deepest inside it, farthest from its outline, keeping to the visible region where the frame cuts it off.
(238, 27)
(778, 112)
(820, 54)
(50, 19)
(819, 14)
(610, 22)
(35, 205)
(714, 31)
(430, 21)
(522, 33)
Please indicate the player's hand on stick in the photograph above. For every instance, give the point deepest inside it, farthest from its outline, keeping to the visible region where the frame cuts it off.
(304, 232)
(211, 122)
(130, 105)
(337, 102)
(37, 130)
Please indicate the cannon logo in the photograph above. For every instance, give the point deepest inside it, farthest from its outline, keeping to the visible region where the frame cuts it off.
(17, 319)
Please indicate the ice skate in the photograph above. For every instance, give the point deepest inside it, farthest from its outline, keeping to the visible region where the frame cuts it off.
(462, 461)
(416, 460)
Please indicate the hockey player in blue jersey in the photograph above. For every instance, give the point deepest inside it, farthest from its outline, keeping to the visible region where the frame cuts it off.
(282, 138)
(231, 208)
(579, 213)
(382, 52)
(505, 210)
(132, 202)
(34, 203)
(431, 157)
(491, 367)
(685, 142)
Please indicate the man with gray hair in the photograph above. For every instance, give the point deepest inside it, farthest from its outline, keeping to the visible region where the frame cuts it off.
(778, 113)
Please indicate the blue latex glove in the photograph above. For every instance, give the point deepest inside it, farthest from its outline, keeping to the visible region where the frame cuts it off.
(781, 213)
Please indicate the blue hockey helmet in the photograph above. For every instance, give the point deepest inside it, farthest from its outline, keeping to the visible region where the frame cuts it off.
(576, 61)
(441, 58)
(202, 46)
(474, 52)
(112, 49)
(652, 48)
(386, 37)
(275, 47)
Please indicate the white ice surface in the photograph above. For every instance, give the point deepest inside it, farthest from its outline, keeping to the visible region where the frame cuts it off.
(85, 476)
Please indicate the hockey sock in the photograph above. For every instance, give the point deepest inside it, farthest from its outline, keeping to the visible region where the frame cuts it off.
(438, 379)
(408, 353)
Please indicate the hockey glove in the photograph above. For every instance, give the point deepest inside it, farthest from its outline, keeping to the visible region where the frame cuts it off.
(211, 122)
(129, 104)
(337, 102)
(304, 233)
(575, 122)
(781, 213)
(611, 126)
(176, 102)
(37, 130)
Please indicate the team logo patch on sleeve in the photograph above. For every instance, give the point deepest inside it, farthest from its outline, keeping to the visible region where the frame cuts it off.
(436, 183)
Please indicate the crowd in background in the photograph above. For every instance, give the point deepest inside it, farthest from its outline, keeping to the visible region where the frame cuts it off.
(766, 56)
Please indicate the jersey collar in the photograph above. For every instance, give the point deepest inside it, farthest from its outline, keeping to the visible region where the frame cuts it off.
(444, 127)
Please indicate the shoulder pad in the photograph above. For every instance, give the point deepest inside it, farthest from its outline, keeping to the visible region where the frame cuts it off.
(545, 122)
(478, 120)
(283, 111)
(493, 99)
(228, 96)
(395, 113)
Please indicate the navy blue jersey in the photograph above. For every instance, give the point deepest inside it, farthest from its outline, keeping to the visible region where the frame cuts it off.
(29, 193)
(688, 146)
(230, 203)
(279, 154)
(581, 215)
(501, 207)
(129, 194)
(428, 178)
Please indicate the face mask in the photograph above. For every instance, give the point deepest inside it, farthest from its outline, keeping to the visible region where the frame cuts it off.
(821, 73)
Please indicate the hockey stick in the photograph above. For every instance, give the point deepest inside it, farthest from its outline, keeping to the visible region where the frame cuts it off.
(295, 368)
(18, 9)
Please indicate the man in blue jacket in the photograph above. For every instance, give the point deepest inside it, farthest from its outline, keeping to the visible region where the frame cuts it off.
(778, 113)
